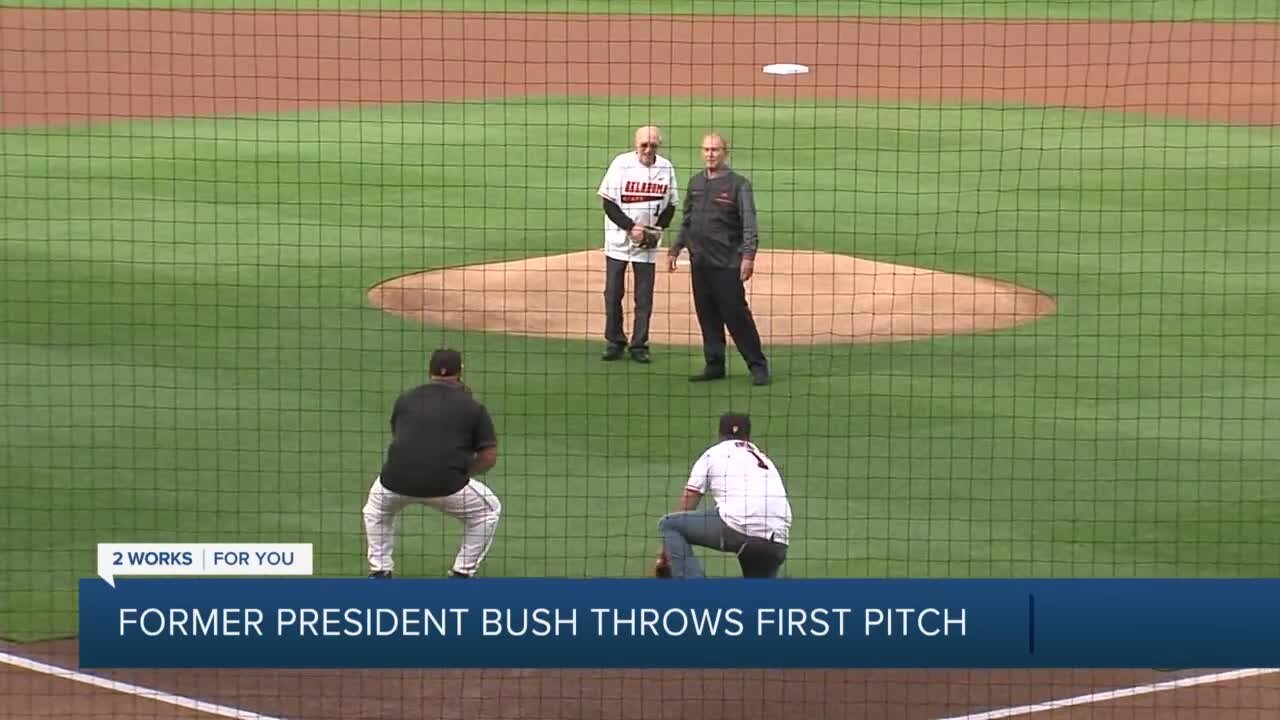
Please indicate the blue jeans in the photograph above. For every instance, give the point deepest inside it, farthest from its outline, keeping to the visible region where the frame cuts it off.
(680, 531)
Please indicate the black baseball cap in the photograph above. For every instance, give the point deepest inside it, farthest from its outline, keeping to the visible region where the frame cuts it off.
(735, 425)
(446, 363)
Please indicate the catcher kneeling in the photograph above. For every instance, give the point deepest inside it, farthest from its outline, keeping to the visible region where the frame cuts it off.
(751, 518)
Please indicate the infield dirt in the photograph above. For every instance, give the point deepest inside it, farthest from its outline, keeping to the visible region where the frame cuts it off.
(798, 298)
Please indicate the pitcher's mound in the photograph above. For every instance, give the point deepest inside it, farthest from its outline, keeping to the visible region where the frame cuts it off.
(798, 298)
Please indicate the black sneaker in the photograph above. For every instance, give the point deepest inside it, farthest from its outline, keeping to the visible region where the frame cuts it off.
(760, 377)
(459, 576)
(613, 353)
(381, 574)
(708, 374)
(640, 355)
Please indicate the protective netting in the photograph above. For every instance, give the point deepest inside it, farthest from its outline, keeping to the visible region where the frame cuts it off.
(1014, 288)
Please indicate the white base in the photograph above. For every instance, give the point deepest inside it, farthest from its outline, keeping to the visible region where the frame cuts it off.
(786, 69)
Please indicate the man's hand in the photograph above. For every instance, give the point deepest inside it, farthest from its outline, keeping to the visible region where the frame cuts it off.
(662, 565)
(482, 461)
(646, 236)
(748, 269)
(672, 259)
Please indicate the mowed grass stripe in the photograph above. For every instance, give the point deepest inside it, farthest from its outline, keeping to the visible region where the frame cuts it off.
(188, 353)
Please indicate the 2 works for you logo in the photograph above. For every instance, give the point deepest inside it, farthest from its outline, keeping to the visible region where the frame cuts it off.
(186, 559)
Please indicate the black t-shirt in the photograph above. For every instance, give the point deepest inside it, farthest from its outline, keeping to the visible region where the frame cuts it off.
(436, 429)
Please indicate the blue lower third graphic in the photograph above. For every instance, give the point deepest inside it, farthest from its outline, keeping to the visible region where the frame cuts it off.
(644, 623)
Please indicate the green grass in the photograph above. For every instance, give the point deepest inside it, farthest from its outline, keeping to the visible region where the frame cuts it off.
(1224, 10)
(187, 353)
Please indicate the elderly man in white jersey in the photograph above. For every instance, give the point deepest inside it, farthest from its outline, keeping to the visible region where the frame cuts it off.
(638, 191)
(752, 517)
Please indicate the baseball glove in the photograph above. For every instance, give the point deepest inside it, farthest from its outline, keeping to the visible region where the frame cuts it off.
(651, 238)
(662, 567)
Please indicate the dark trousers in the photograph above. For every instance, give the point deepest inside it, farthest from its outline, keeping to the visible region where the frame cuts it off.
(720, 300)
(614, 288)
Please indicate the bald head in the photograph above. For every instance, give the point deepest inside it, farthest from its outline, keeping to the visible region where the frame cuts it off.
(648, 140)
(715, 151)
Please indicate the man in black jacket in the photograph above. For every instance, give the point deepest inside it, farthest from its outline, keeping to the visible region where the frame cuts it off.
(720, 230)
(441, 440)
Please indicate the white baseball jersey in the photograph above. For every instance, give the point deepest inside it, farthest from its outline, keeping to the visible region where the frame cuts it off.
(747, 488)
(642, 193)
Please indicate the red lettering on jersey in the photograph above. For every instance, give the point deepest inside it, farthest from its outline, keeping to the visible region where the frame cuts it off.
(635, 191)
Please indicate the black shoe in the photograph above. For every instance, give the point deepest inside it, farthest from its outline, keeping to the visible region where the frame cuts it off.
(708, 374)
(381, 574)
(640, 355)
(613, 353)
(458, 575)
(760, 377)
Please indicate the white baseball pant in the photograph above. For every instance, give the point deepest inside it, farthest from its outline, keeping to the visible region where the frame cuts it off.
(475, 506)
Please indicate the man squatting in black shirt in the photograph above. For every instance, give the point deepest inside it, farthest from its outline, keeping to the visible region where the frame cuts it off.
(441, 440)
(719, 228)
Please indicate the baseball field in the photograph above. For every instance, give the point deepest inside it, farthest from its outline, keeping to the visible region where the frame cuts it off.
(1017, 289)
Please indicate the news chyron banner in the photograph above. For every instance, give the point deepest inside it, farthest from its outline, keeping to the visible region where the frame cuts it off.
(210, 615)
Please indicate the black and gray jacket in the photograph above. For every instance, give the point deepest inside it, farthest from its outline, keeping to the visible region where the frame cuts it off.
(719, 226)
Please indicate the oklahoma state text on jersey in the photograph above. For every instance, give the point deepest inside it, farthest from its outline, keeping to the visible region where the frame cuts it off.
(635, 191)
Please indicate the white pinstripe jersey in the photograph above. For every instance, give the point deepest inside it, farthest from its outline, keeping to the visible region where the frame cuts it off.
(642, 193)
(747, 488)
